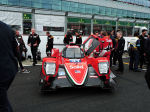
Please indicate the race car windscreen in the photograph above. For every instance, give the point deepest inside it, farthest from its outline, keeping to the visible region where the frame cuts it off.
(73, 53)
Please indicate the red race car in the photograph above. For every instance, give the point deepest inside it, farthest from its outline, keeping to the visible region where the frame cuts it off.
(76, 67)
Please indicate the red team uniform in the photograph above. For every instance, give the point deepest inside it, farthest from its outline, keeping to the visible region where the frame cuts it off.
(104, 49)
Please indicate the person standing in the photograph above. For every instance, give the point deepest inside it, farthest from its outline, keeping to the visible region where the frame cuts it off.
(96, 34)
(8, 64)
(101, 35)
(147, 51)
(49, 45)
(20, 48)
(33, 42)
(142, 38)
(119, 50)
(112, 56)
(68, 38)
(134, 54)
(78, 39)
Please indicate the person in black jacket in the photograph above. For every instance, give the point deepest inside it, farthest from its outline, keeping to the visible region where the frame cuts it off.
(8, 64)
(112, 37)
(119, 50)
(147, 51)
(142, 38)
(33, 42)
(20, 48)
(68, 38)
(78, 39)
(49, 45)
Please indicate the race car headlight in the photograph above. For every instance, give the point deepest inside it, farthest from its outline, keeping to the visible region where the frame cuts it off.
(103, 67)
(50, 68)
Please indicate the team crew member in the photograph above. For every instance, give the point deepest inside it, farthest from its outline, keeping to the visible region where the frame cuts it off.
(147, 49)
(78, 39)
(112, 56)
(104, 50)
(107, 45)
(134, 54)
(49, 45)
(102, 34)
(119, 50)
(68, 38)
(20, 48)
(8, 64)
(96, 34)
(142, 38)
(33, 42)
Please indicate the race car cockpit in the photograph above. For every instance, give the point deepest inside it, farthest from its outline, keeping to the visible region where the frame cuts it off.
(73, 53)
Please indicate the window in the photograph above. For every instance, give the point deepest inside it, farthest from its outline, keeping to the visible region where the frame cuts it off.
(114, 12)
(56, 29)
(89, 9)
(73, 53)
(27, 25)
(108, 11)
(83, 29)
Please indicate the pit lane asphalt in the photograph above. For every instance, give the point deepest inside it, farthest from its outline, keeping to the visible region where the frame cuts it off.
(132, 95)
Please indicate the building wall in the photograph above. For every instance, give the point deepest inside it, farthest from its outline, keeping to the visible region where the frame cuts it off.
(49, 20)
(11, 18)
(114, 4)
(99, 7)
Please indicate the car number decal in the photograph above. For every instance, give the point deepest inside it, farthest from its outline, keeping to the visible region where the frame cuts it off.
(75, 60)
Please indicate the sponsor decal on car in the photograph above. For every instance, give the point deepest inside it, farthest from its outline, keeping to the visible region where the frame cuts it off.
(75, 60)
(76, 67)
(77, 71)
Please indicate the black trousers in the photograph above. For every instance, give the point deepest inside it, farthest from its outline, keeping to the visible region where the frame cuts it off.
(119, 58)
(142, 59)
(112, 58)
(134, 60)
(4, 103)
(49, 49)
(34, 53)
(19, 57)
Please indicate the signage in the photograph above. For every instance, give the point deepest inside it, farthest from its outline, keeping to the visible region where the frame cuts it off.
(27, 16)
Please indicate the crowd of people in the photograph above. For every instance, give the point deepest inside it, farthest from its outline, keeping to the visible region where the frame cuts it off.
(138, 51)
(111, 46)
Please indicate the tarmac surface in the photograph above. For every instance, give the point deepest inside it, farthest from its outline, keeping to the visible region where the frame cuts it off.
(131, 95)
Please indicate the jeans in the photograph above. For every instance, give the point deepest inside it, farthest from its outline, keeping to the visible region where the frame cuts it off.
(134, 60)
(19, 57)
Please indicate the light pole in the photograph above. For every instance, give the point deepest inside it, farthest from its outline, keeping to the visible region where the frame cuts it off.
(66, 22)
(134, 25)
(117, 20)
(92, 19)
